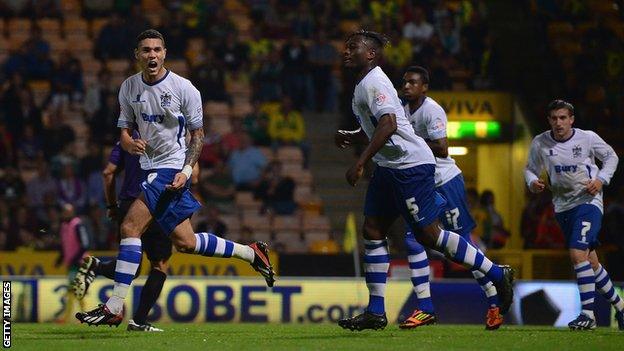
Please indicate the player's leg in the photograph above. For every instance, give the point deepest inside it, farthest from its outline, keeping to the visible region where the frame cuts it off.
(158, 248)
(419, 267)
(92, 266)
(208, 244)
(128, 260)
(605, 287)
(580, 226)
(379, 214)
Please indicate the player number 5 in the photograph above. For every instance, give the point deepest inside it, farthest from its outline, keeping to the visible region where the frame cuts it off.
(412, 207)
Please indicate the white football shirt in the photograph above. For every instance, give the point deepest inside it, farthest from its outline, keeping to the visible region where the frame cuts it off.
(429, 122)
(570, 164)
(162, 112)
(375, 96)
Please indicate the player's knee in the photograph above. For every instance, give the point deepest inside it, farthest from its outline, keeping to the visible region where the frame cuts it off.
(371, 232)
(184, 246)
(128, 230)
(429, 235)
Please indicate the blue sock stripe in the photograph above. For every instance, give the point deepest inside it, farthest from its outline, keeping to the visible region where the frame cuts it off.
(136, 248)
(372, 277)
(211, 246)
(583, 268)
(609, 294)
(419, 264)
(479, 260)
(129, 256)
(202, 242)
(229, 248)
(123, 278)
(444, 238)
(419, 280)
(585, 280)
(461, 249)
(602, 282)
(377, 259)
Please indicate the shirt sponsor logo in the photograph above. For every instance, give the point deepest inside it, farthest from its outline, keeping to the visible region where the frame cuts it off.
(152, 118)
(564, 168)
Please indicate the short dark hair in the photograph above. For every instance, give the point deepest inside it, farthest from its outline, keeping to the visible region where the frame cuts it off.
(150, 34)
(559, 104)
(377, 40)
(424, 74)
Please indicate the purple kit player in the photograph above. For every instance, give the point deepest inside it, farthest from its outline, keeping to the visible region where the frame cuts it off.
(402, 184)
(429, 122)
(568, 156)
(162, 106)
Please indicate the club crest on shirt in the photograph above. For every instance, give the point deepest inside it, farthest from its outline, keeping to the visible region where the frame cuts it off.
(577, 151)
(165, 99)
(380, 98)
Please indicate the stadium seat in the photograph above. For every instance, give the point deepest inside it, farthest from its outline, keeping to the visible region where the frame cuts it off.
(216, 108)
(241, 110)
(50, 28)
(286, 223)
(221, 124)
(290, 154)
(300, 176)
(76, 26)
(315, 224)
(96, 26)
(257, 222)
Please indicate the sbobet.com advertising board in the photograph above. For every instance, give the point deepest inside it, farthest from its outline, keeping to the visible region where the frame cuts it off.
(310, 300)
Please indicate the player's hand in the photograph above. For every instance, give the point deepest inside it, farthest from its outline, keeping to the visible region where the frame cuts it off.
(178, 182)
(537, 186)
(355, 173)
(343, 139)
(594, 186)
(138, 147)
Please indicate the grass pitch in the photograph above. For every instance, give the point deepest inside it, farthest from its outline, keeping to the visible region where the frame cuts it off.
(240, 337)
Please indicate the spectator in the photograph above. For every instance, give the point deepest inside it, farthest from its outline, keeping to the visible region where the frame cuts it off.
(113, 41)
(303, 21)
(97, 93)
(218, 188)
(103, 125)
(256, 124)
(495, 235)
(449, 35)
(548, 233)
(276, 191)
(67, 82)
(232, 52)
(42, 185)
(29, 149)
(12, 188)
(323, 57)
(246, 164)
(71, 189)
(211, 223)
(232, 140)
(295, 71)
(174, 29)
(418, 31)
(212, 150)
(209, 78)
(267, 79)
(286, 127)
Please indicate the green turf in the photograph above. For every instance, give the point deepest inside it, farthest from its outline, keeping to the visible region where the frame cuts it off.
(240, 337)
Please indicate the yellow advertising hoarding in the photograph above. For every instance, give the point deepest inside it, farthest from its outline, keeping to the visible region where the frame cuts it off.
(475, 106)
(41, 263)
(220, 299)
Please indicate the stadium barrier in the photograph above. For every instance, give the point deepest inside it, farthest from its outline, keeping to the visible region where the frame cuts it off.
(326, 300)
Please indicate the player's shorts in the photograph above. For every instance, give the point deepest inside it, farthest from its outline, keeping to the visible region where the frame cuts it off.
(169, 208)
(406, 192)
(155, 244)
(456, 215)
(580, 226)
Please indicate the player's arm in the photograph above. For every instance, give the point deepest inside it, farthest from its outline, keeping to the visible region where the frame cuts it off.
(344, 138)
(126, 122)
(533, 168)
(131, 145)
(110, 195)
(193, 149)
(439, 147)
(384, 130)
(605, 153)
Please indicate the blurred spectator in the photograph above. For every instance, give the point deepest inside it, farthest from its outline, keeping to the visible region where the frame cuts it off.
(39, 65)
(12, 187)
(449, 35)
(246, 164)
(212, 150)
(67, 83)
(232, 140)
(276, 191)
(295, 71)
(137, 23)
(70, 188)
(42, 185)
(113, 41)
(398, 55)
(246, 235)
(209, 78)
(327, 246)
(286, 127)
(256, 124)
(267, 79)
(211, 223)
(548, 234)
(218, 188)
(418, 30)
(232, 52)
(45, 8)
(495, 235)
(303, 21)
(103, 125)
(21, 232)
(97, 8)
(6, 146)
(173, 28)
(29, 149)
(97, 93)
(323, 57)
(90, 168)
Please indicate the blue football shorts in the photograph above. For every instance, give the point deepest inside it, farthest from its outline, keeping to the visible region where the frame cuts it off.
(580, 226)
(169, 208)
